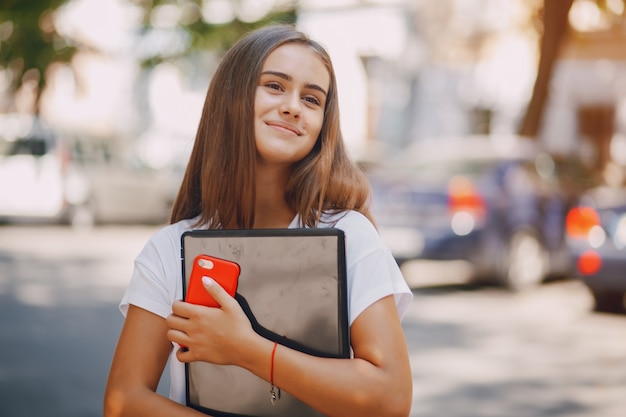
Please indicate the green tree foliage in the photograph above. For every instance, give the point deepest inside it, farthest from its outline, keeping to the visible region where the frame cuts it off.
(28, 40)
(202, 35)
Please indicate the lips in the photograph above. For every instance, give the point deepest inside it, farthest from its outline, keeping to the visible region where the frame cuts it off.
(286, 126)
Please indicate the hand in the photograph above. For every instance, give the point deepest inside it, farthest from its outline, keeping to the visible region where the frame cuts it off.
(209, 334)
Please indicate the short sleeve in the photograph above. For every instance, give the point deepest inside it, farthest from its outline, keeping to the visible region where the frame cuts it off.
(154, 283)
(372, 271)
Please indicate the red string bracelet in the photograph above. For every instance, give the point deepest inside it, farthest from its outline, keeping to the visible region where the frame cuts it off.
(274, 391)
(272, 364)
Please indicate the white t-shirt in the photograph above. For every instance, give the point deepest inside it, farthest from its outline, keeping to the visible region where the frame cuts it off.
(372, 274)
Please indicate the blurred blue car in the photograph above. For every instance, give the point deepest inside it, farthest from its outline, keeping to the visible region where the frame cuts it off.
(596, 230)
(496, 202)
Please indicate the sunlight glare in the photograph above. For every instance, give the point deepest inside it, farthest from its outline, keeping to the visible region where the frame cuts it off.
(165, 16)
(102, 24)
(616, 6)
(586, 16)
(218, 12)
(252, 10)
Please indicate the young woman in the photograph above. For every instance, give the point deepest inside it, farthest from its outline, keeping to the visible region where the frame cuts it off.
(268, 154)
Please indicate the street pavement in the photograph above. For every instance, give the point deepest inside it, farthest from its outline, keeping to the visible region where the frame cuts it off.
(59, 321)
(483, 352)
(475, 351)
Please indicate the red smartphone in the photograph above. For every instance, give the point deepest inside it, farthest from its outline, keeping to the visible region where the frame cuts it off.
(224, 272)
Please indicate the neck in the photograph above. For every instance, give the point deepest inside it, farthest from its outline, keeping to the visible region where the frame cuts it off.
(271, 209)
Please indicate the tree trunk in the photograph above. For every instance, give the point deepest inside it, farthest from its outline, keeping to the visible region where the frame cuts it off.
(555, 24)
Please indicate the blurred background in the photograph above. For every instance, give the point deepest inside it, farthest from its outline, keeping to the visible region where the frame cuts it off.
(493, 132)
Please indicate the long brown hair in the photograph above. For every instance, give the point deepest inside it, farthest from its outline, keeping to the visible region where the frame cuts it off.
(218, 185)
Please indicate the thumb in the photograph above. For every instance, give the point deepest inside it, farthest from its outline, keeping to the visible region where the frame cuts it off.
(216, 291)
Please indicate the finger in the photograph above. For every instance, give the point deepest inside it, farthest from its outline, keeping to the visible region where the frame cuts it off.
(184, 355)
(216, 291)
(183, 309)
(177, 305)
(176, 322)
(177, 336)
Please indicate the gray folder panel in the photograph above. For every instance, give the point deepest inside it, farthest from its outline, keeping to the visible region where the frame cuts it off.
(292, 285)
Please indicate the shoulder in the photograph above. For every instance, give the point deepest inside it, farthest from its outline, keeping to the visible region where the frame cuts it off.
(358, 229)
(168, 238)
(372, 271)
(351, 222)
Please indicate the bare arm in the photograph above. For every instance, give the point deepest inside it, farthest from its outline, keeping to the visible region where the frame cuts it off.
(140, 357)
(377, 382)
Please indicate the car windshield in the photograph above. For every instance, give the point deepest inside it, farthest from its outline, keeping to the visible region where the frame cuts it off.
(442, 169)
(456, 167)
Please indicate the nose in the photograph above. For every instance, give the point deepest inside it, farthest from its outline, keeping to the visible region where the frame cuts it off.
(291, 106)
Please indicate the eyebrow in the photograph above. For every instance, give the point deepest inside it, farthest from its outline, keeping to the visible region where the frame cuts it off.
(290, 78)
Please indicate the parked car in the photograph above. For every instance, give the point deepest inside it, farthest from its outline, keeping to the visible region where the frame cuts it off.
(596, 230)
(496, 202)
(52, 176)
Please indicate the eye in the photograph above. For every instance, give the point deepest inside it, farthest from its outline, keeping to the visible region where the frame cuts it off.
(312, 100)
(273, 85)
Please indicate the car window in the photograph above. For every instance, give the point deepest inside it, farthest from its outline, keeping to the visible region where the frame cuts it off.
(86, 150)
(114, 155)
(522, 177)
(575, 171)
(443, 170)
(31, 146)
(574, 177)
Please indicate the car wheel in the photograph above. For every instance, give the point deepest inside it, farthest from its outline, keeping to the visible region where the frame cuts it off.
(525, 262)
(609, 301)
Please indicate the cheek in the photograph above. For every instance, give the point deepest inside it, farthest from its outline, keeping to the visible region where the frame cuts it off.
(315, 126)
(263, 102)
(314, 134)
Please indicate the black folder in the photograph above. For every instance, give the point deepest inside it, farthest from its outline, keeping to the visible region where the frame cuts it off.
(293, 288)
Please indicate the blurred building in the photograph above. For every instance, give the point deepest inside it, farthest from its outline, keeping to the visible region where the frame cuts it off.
(408, 70)
(446, 68)
(429, 69)
(106, 92)
(586, 109)
(368, 42)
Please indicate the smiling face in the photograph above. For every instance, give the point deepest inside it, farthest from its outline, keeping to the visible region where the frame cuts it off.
(289, 104)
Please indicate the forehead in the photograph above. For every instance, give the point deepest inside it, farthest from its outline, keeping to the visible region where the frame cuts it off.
(300, 62)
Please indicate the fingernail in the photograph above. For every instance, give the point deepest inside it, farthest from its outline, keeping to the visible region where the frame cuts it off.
(207, 280)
